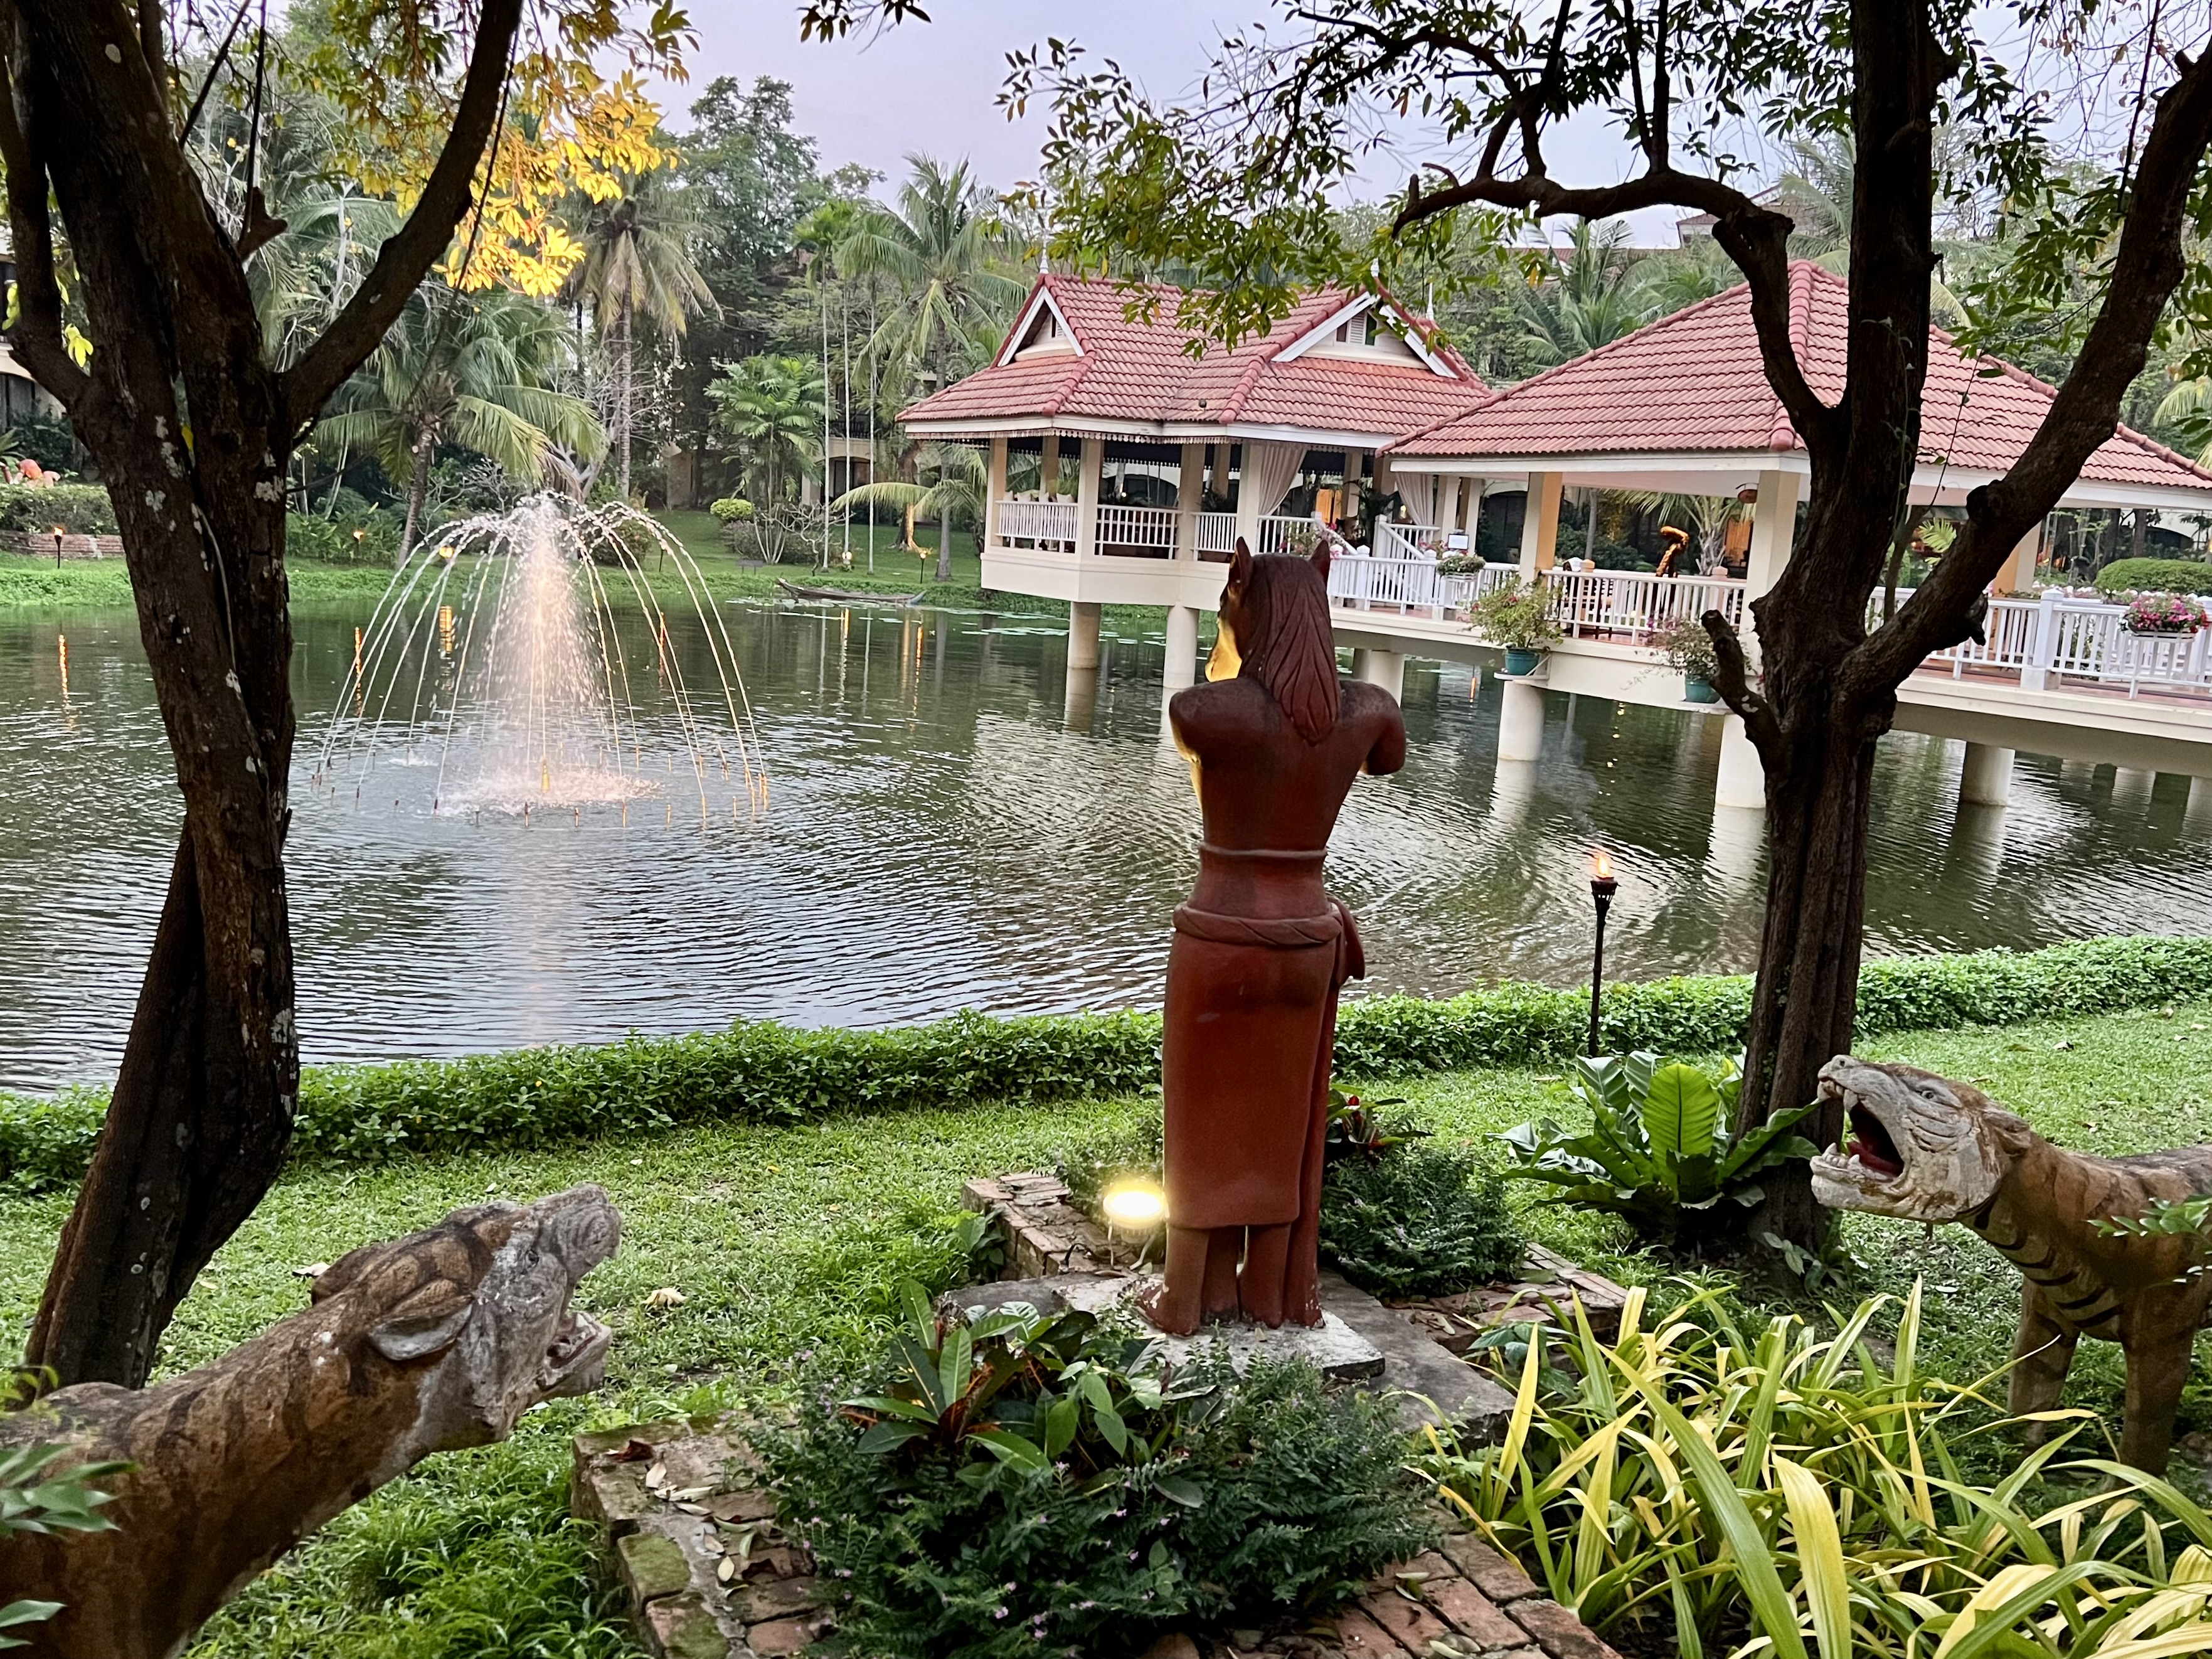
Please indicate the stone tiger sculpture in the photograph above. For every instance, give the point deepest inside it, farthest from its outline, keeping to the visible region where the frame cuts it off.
(437, 1341)
(1926, 1148)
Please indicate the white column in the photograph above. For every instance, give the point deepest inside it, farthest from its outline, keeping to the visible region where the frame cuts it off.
(2018, 571)
(1743, 780)
(1446, 491)
(1986, 778)
(994, 490)
(2042, 645)
(1773, 525)
(1384, 668)
(1540, 525)
(1190, 489)
(1521, 721)
(1247, 514)
(1048, 473)
(1083, 634)
(1182, 667)
(2197, 817)
(1086, 497)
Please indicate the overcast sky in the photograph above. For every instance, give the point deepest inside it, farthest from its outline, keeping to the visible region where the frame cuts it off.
(931, 87)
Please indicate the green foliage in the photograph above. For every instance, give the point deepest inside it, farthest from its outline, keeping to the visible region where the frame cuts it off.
(79, 508)
(2155, 576)
(49, 439)
(730, 509)
(1517, 615)
(1659, 1150)
(1419, 1220)
(1033, 1482)
(772, 409)
(1695, 1476)
(64, 1501)
(367, 538)
(760, 1072)
(1685, 645)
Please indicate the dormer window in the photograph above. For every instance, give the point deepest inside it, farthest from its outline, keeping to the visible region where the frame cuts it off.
(1046, 337)
(1366, 337)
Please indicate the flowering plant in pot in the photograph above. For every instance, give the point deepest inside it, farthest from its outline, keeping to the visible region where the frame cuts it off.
(1461, 563)
(2164, 613)
(1518, 616)
(1684, 644)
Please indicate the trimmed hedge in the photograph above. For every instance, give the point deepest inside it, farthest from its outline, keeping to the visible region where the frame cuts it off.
(760, 1072)
(2155, 576)
(82, 509)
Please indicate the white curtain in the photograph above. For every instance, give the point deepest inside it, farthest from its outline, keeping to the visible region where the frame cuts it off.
(1265, 474)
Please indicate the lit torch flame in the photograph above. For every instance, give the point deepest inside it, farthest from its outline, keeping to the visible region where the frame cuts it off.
(1601, 866)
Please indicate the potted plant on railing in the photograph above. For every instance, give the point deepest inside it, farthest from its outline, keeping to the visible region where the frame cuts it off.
(1461, 564)
(1684, 646)
(2164, 613)
(1517, 615)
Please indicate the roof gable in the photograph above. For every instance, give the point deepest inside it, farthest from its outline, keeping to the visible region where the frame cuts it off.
(1126, 374)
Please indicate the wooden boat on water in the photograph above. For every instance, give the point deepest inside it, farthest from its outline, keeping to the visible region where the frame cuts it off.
(844, 595)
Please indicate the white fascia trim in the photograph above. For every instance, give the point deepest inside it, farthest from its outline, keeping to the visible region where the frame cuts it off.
(1019, 333)
(1358, 307)
(1750, 461)
(1311, 437)
(1950, 486)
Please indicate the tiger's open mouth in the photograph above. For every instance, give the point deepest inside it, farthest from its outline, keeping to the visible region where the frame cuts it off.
(576, 1360)
(1871, 1145)
(1866, 1156)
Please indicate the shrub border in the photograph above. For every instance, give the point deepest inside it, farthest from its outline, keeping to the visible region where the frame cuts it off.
(764, 1073)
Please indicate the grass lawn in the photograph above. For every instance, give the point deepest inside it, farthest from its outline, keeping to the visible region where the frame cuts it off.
(788, 1241)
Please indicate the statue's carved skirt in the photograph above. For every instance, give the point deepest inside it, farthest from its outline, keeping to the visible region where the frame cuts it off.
(1250, 1026)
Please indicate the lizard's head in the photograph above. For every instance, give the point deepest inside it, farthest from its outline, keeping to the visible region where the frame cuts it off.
(474, 1312)
(1915, 1146)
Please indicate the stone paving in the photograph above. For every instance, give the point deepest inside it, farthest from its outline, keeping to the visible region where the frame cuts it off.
(710, 1577)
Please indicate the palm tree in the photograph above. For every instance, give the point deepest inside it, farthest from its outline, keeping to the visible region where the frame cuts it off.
(772, 407)
(942, 252)
(635, 266)
(961, 481)
(1588, 300)
(473, 369)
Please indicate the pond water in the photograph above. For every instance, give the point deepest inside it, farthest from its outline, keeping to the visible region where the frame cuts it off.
(945, 828)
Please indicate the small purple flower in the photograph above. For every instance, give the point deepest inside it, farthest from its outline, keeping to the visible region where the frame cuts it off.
(1000, 1614)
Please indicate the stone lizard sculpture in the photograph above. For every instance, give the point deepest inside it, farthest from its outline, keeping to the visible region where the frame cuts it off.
(437, 1341)
(1926, 1148)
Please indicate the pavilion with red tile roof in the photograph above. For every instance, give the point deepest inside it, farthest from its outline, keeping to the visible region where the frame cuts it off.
(1177, 454)
(1682, 405)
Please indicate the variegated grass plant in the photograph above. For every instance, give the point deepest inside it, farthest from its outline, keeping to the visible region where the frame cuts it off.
(1772, 1492)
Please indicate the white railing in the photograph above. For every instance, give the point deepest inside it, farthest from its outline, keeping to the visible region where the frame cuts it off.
(1635, 602)
(1409, 584)
(1217, 535)
(1152, 530)
(2060, 637)
(1043, 522)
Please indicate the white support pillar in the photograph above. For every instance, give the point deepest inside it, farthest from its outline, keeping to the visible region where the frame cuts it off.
(1540, 525)
(1190, 488)
(1985, 780)
(1247, 516)
(1773, 527)
(1048, 467)
(1742, 780)
(1182, 668)
(1083, 635)
(1086, 498)
(1521, 721)
(2197, 815)
(994, 492)
(1384, 668)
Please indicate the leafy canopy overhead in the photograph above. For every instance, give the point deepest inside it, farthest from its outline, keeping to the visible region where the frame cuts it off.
(394, 73)
(1242, 184)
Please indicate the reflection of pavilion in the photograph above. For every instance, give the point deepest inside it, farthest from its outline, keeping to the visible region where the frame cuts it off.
(1174, 457)
(1123, 469)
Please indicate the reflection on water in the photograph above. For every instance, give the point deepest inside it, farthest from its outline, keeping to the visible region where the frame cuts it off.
(953, 824)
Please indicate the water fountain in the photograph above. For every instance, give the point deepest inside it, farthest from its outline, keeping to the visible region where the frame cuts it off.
(508, 660)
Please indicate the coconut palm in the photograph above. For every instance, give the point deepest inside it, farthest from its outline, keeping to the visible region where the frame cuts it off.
(942, 254)
(636, 267)
(959, 488)
(2187, 411)
(1588, 299)
(772, 407)
(472, 369)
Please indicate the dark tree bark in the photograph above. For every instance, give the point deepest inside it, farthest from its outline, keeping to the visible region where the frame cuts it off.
(1823, 689)
(204, 1102)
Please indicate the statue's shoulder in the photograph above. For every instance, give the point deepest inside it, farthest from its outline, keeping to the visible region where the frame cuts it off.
(1358, 700)
(1212, 704)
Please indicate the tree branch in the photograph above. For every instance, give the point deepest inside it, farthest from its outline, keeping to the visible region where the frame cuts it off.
(2147, 267)
(37, 335)
(406, 258)
(1732, 679)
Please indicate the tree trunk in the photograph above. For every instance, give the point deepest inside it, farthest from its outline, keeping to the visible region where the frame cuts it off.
(418, 490)
(2138, 533)
(622, 396)
(945, 543)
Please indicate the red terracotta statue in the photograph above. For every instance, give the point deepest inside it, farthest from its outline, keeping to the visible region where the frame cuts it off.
(1274, 741)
